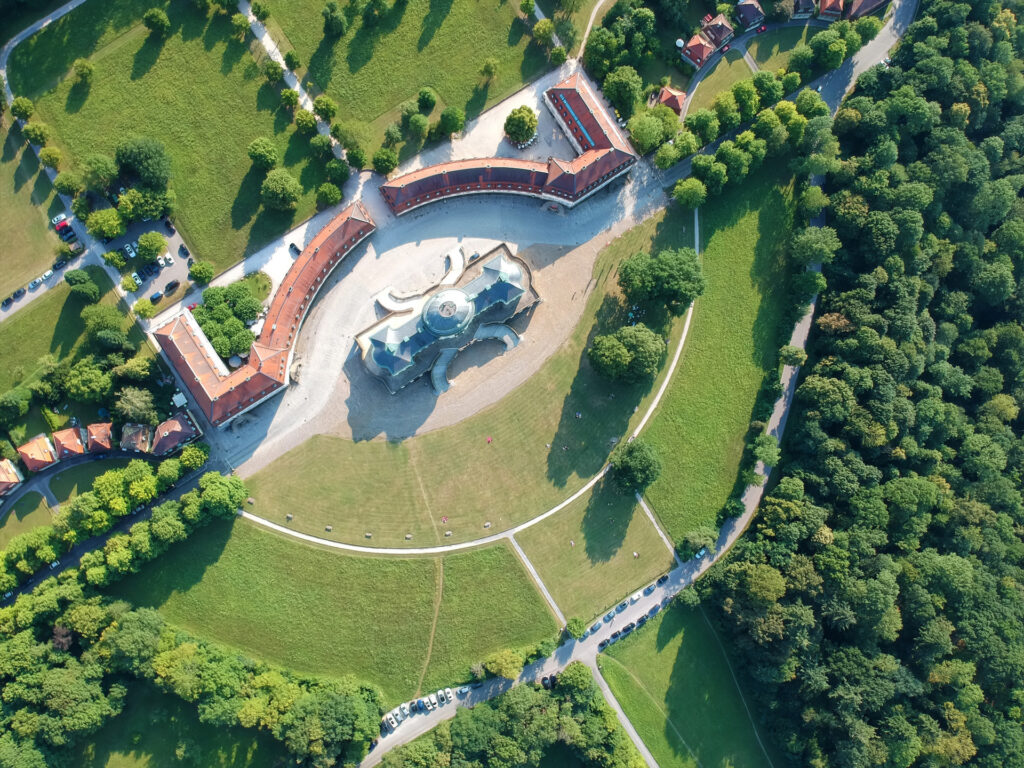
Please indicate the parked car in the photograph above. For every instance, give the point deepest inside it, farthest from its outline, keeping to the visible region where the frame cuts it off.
(68, 235)
(654, 611)
(58, 219)
(648, 589)
(130, 250)
(462, 691)
(183, 251)
(35, 283)
(55, 565)
(160, 260)
(432, 698)
(641, 621)
(421, 705)
(65, 224)
(136, 278)
(59, 263)
(18, 294)
(172, 286)
(609, 616)
(294, 248)
(761, 29)
(392, 723)
(725, 48)
(636, 596)
(602, 645)
(546, 682)
(622, 606)
(192, 306)
(169, 225)
(628, 628)
(593, 629)
(661, 580)
(155, 296)
(614, 636)
(476, 685)
(8, 595)
(449, 695)
(77, 248)
(702, 551)
(47, 275)
(168, 260)
(441, 698)
(7, 302)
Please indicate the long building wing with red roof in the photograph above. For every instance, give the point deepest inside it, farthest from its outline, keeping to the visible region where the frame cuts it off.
(223, 395)
(604, 155)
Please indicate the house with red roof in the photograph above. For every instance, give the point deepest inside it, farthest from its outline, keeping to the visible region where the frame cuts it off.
(137, 438)
(10, 476)
(38, 453)
(749, 13)
(858, 8)
(830, 10)
(672, 98)
(99, 437)
(697, 50)
(70, 442)
(174, 433)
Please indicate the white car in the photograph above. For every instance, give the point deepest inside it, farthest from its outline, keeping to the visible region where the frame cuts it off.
(58, 219)
(463, 690)
(168, 260)
(55, 565)
(129, 250)
(47, 274)
(449, 695)
(635, 598)
(136, 278)
(397, 714)
(391, 720)
(404, 709)
(160, 261)
(433, 701)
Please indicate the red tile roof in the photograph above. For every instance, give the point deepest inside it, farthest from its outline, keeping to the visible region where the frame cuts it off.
(672, 98)
(136, 437)
(221, 394)
(100, 437)
(859, 8)
(69, 442)
(10, 477)
(37, 453)
(605, 153)
(831, 8)
(173, 433)
(697, 50)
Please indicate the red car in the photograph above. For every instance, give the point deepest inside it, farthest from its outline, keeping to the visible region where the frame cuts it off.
(761, 29)
(192, 306)
(725, 48)
(61, 226)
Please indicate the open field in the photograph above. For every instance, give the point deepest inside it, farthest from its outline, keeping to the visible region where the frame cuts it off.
(28, 202)
(584, 553)
(30, 512)
(324, 612)
(199, 91)
(673, 681)
(371, 70)
(154, 725)
(540, 453)
(731, 68)
(772, 49)
(76, 480)
(732, 346)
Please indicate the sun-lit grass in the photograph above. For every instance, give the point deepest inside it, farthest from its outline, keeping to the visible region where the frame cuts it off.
(731, 68)
(584, 553)
(155, 725)
(673, 681)
(326, 612)
(76, 480)
(419, 43)
(199, 91)
(773, 48)
(540, 452)
(28, 202)
(736, 331)
(30, 511)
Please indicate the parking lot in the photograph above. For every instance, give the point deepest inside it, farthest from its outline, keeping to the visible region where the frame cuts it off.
(154, 277)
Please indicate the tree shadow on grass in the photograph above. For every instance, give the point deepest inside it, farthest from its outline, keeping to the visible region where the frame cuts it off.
(76, 97)
(233, 53)
(41, 190)
(247, 200)
(606, 520)
(477, 100)
(363, 43)
(297, 149)
(67, 328)
(146, 56)
(187, 21)
(436, 14)
(28, 167)
(282, 119)
(321, 64)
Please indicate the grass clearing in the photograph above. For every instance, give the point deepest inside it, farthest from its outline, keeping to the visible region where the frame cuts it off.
(607, 527)
(199, 91)
(29, 512)
(545, 452)
(323, 612)
(418, 43)
(731, 68)
(154, 725)
(76, 480)
(772, 49)
(28, 202)
(673, 681)
(733, 344)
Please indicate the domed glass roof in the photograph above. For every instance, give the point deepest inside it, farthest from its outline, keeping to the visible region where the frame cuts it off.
(448, 313)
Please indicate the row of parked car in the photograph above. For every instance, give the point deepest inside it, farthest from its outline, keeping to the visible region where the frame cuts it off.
(428, 703)
(66, 233)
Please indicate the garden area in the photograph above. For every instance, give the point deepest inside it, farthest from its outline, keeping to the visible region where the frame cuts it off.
(545, 450)
(400, 624)
(30, 511)
(774, 48)
(137, 87)
(74, 481)
(673, 680)
(584, 553)
(730, 69)
(372, 68)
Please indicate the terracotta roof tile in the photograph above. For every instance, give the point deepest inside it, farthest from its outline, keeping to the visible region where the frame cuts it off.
(69, 442)
(173, 433)
(673, 98)
(698, 49)
(99, 437)
(37, 453)
(10, 477)
(136, 437)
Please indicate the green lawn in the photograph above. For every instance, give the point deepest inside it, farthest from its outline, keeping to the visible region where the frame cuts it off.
(544, 452)
(731, 68)
(19, 16)
(155, 725)
(443, 45)
(772, 49)
(199, 91)
(29, 512)
(321, 611)
(673, 681)
(732, 346)
(584, 553)
(28, 202)
(76, 480)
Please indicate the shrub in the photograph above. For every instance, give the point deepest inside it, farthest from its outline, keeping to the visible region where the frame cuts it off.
(201, 271)
(67, 183)
(636, 465)
(356, 156)
(105, 224)
(328, 194)
(273, 71)
(115, 259)
(337, 171)
(289, 98)
(280, 190)
(558, 55)
(260, 11)
(385, 160)
(320, 146)
(325, 108)
(490, 67)
(576, 626)
(128, 284)
(426, 100)
(690, 193)
(81, 207)
(527, 7)
(144, 308)
(151, 245)
(305, 121)
(521, 124)
(156, 21)
(335, 21)
(263, 153)
(22, 108)
(507, 663)
(37, 133)
(418, 126)
(292, 60)
(792, 355)
(84, 71)
(766, 449)
(453, 120)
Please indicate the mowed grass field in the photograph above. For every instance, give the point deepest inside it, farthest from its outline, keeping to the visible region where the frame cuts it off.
(325, 612)
(735, 335)
(199, 91)
(453, 479)
(71, 482)
(772, 49)
(27, 201)
(370, 71)
(584, 553)
(731, 68)
(154, 725)
(29, 512)
(672, 679)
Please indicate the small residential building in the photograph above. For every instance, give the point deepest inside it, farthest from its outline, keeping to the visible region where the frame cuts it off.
(174, 433)
(100, 438)
(137, 437)
(749, 13)
(70, 442)
(803, 9)
(718, 31)
(10, 476)
(38, 453)
(830, 10)
(697, 50)
(858, 8)
(672, 98)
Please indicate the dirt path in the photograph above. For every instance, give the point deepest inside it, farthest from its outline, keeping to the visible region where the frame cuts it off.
(433, 626)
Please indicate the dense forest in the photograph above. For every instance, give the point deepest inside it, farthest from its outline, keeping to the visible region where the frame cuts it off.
(877, 604)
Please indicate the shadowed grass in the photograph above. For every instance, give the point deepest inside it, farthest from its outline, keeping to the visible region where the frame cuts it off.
(76, 480)
(772, 49)
(731, 68)
(29, 512)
